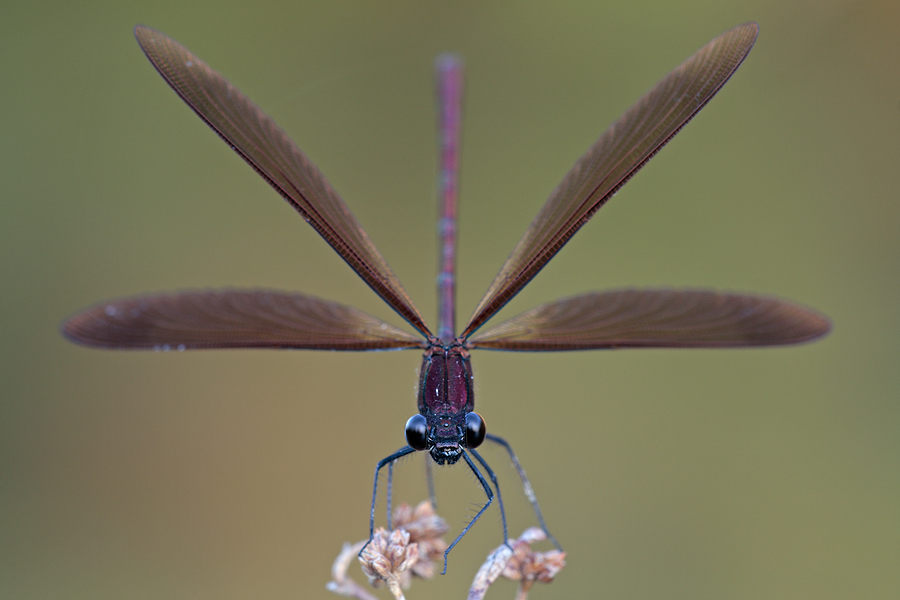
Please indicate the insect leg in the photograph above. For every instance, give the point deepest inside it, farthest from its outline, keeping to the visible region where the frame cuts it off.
(493, 477)
(526, 485)
(490, 498)
(385, 461)
(390, 494)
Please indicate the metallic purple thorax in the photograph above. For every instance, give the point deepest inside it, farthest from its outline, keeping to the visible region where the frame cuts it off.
(446, 395)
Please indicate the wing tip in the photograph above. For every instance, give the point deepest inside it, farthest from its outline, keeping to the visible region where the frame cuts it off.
(75, 330)
(70, 332)
(815, 325)
(90, 327)
(143, 33)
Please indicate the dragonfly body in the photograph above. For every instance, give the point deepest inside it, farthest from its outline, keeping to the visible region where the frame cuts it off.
(446, 422)
(447, 426)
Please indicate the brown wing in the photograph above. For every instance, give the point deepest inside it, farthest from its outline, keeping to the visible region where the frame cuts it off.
(655, 318)
(232, 319)
(613, 159)
(268, 149)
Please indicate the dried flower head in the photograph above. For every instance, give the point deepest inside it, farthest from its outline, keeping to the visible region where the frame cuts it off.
(341, 584)
(425, 528)
(388, 558)
(394, 556)
(527, 566)
(518, 562)
(489, 572)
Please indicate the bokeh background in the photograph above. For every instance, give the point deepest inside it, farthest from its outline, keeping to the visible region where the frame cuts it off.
(238, 474)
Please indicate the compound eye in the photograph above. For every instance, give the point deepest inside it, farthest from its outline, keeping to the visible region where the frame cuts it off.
(417, 432)
(475, 430)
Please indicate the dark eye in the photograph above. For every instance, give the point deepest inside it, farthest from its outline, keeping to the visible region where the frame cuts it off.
(475, 430)
(417, 432)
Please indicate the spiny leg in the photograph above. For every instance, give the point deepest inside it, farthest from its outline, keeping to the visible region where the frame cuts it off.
(385, 461)
(389, 495)
(529, 491)
(490, 499)
(429, 477)
(493, 477)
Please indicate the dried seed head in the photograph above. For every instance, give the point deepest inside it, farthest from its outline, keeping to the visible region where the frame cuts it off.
(489, 572)
(388, 558)
(393, 557)
(518, 562)
(425, 528)
(341, 584)
(422, 523)
(527, 566)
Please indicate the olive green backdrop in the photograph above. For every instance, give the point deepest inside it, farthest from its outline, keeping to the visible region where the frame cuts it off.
(238, 474)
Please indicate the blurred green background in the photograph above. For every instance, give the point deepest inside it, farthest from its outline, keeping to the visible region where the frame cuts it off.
(237, 474)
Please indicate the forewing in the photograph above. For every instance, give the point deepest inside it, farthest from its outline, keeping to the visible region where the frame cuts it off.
(268, 149)
(613, 159)
(232, 319)
(655, 318)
